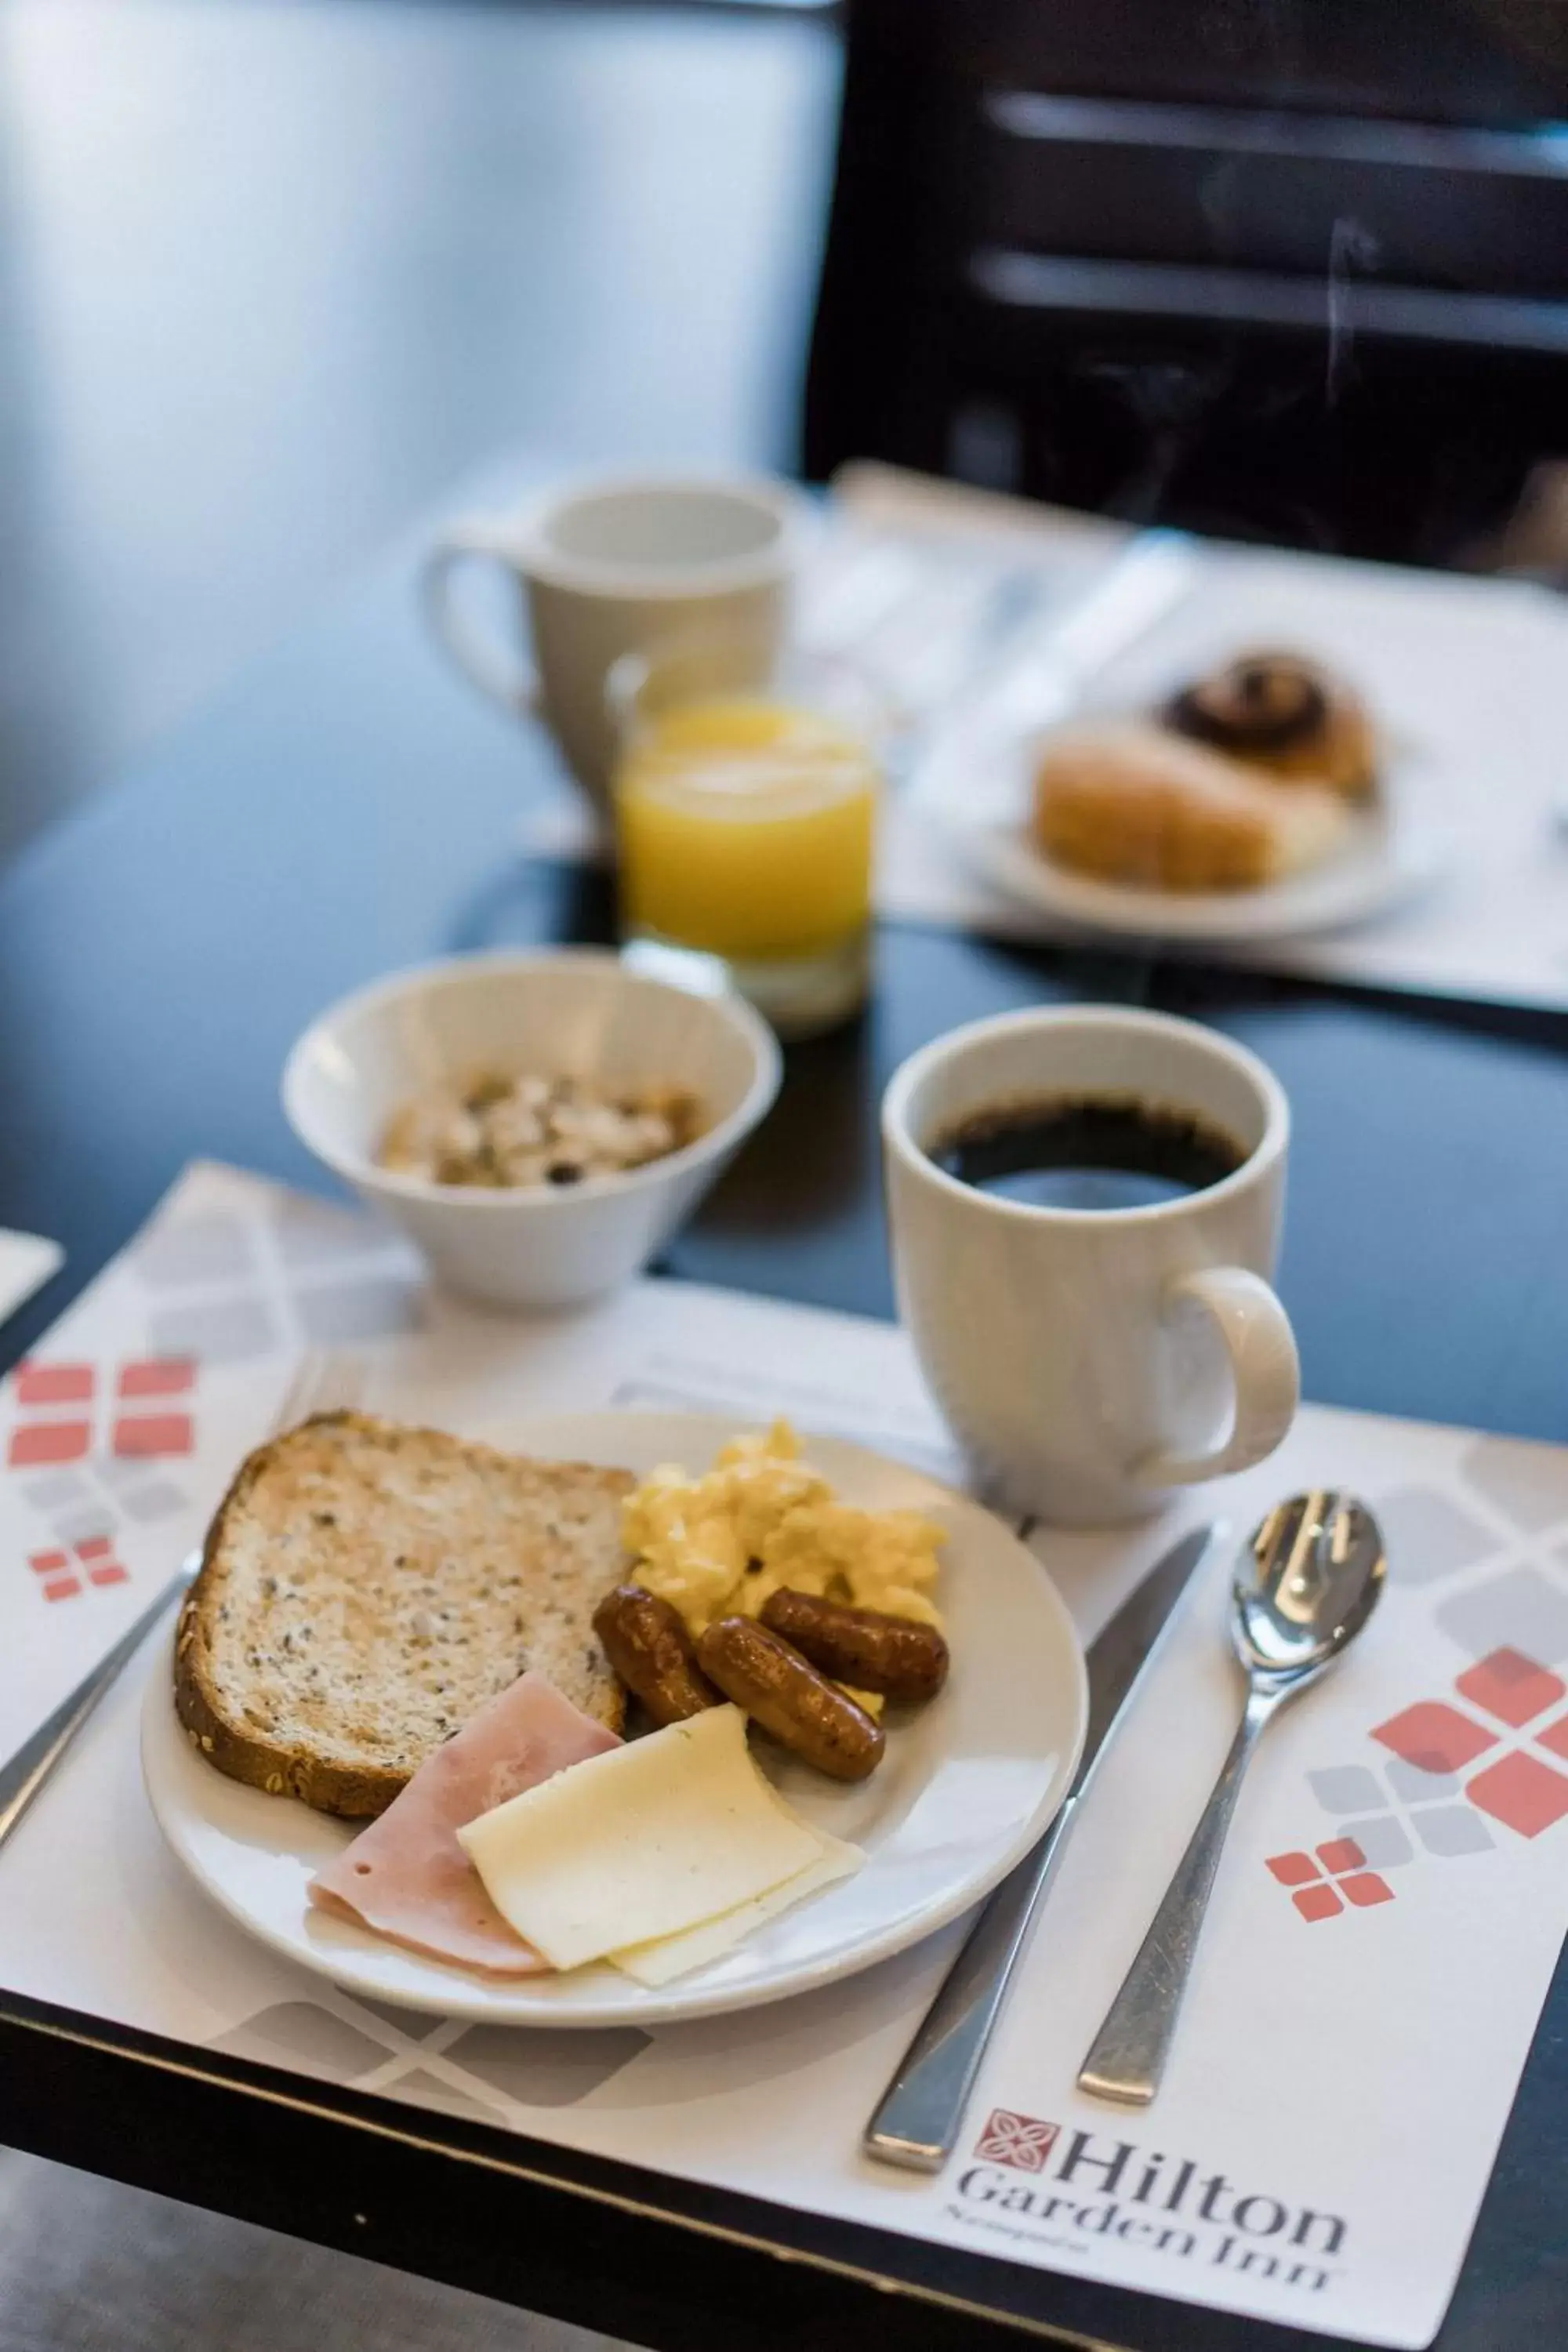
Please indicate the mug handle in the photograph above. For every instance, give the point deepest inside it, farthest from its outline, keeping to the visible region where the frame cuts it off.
(504, 677)
(1266, 1372)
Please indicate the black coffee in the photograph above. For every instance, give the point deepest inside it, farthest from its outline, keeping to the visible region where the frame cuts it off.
(1089, 1152)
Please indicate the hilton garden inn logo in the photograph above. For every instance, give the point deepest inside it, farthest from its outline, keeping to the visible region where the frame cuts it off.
(1088, 2185)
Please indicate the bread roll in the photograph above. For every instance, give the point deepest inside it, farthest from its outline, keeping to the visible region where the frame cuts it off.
(1132, 802)
(1285, 716)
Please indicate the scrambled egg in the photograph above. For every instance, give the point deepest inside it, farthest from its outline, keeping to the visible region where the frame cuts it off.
(718, 1545)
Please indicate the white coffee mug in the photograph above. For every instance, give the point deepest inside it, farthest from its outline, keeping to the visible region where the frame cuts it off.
(1090, 1360)
(609, 569)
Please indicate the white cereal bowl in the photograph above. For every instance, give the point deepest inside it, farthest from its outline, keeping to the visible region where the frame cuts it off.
(574, 1012)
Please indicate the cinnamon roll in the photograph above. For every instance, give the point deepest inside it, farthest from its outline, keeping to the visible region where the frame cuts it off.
(1285, 715)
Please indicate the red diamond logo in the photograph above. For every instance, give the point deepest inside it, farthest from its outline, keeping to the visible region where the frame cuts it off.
(1511, 1686)
(1022, 2141)
(54, 1384)
(1529, 1796)
(158, 1377)
(137, 1433)
(36, 1443)
(1365, 1889)
(1555, 1737)
(1434, 1737)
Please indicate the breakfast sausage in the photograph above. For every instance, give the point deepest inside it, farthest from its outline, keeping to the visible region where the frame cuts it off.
(647, 1644)
(789, 1697)
(866, 1648)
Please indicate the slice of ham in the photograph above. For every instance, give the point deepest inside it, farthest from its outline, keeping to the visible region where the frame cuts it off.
(405, 1877)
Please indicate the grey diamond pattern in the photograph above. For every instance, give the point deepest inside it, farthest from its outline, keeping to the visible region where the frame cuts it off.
(79, 1527)
(1346, 1789)
(1381, 1840)
(421, 2088)
(1428, 1537)
(157, 1500)
(114, 1471)
(218, 1331)
(56, 1486)
(1520, 1611)
(1450, 1829)
(415, 2023)
(375, 1308)
(545, 2070)
(1529, 1482)
(317, 1232)
(1359, 1796)
(210, 1246)
(315, 2041)
(1414, 1787)
(540, 2070)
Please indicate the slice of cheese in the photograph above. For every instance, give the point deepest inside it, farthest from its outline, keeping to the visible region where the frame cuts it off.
(676, 1956)
(642, 1842)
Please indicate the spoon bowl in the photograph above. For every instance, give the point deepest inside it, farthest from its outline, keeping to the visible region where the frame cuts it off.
(1307, 1580)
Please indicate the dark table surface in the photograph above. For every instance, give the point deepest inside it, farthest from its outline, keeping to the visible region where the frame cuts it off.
(349, 808)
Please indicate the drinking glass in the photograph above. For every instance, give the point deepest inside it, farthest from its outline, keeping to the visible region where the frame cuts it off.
(745, 795)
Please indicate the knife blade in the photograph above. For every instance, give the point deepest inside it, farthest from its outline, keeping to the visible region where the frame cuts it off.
(921, 2110)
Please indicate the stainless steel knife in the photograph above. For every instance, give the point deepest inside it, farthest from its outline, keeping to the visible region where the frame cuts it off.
(922, 2109)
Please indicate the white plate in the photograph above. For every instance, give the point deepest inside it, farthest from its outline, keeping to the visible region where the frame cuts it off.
(966, 1787)
(980, 792)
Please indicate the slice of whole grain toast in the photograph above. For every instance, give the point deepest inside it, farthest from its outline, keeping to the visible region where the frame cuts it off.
(365, 1588)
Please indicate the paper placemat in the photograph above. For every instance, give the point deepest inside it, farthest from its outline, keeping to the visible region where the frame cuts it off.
(956, 602)
(1387, 1917)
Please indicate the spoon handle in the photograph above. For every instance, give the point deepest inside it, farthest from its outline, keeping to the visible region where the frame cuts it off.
(1130, 2050)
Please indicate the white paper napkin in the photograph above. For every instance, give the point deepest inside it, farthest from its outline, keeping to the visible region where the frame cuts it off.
(27, 1262)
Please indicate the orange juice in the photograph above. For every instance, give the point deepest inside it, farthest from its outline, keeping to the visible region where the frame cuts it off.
(746, 827)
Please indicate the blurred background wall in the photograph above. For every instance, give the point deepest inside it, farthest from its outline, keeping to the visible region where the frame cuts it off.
(273, 273)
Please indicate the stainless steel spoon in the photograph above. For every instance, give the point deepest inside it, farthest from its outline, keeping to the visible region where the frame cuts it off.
(1305, 1585)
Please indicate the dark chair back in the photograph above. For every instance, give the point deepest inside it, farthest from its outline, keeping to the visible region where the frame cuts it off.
(1295, 269)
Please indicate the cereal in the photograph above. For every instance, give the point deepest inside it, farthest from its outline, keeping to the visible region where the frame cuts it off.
(502, 1133)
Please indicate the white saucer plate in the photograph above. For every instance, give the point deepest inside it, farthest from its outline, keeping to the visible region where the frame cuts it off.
(967, 1785)
(980, 789)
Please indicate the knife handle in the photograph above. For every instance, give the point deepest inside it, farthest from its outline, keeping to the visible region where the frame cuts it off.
(922, 2109)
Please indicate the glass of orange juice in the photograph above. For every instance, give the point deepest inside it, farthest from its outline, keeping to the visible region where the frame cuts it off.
(745, 803)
